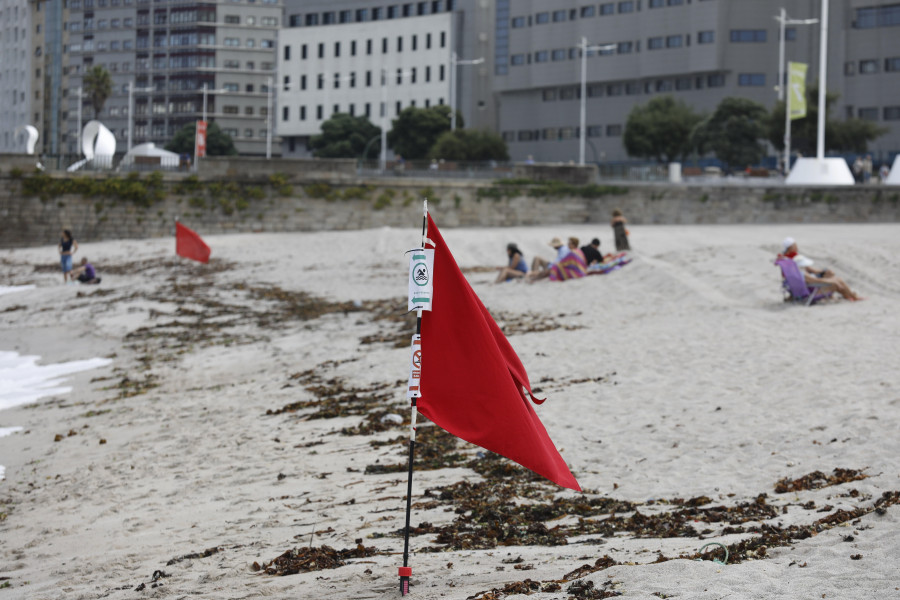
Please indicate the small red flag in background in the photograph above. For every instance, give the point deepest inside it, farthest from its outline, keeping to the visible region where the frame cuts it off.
(190, 245)
(472, 380)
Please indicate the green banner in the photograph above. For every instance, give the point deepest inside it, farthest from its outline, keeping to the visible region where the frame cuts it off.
(797, 89)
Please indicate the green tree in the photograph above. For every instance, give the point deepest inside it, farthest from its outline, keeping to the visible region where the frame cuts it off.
(469, 145)
(218, 143)
(344, 136)
(97, 87)
(850, 135)
(415, 130)
(660, 130)
(734, 132)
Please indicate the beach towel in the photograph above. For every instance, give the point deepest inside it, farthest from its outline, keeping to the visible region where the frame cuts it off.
(572, 266)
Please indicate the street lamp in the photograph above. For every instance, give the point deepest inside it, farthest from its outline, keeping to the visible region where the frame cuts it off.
(454, 62)
(783, 21)
(131, 91)
(206, 91)
(584, 50)
(384, 78)
(80, 93)
(269, 111)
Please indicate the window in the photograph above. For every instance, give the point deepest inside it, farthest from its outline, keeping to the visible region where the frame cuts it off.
(613, 130)
(287, 53)
(655, 43)
(377, 14)
(541, 56)
(443, 39)
(559, 16)
(664, 85)
(328, 18)
(549, 94)
(526, 135)
(303, 51)
(518, 22)
(706, 37)
(614, 89)
(674, 41)
(748, 35)
(251, 43)
(303, 113)
(790, 34)
(414, 42)
(683, 84)
(892, 65)
(427, 74)
(428, 41)
(867, 67)
(399, 43)
(892, 113)
(559, 54)
(656, 3)
(231, 64)
(284, 114)
(384, 45)
(231, 42)
(715, 80)
(267, 43)
(550, 133)
(321, 50)
(337, 49)
(567, 133)
(226, 110)
(320, 82)
(319, 112)
(608, 9)
(517, 59)
(633, 88)
(868, 114)
(392, 12)
(312, 20)
(626, 7)
(345, 16)
(568, 93)
(232, 20)
(303, 82)
(595, 130)
(362, 15)
(624, 47)
(368, 78)
(849, 68)
(269, 21)
(587, 11)
(441, 75)
(879, 16)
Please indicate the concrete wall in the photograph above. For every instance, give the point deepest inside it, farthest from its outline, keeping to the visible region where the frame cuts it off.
(355, 204)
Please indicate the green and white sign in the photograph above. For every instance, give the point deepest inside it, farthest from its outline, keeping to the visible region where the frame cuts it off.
(797, 90)
(421, 267)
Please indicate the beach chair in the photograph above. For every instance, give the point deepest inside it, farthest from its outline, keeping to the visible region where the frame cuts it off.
(795, 287)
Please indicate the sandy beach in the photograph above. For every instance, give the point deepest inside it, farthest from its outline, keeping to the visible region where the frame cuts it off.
(242, 415)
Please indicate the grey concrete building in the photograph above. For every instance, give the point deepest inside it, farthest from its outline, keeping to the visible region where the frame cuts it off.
(165, 53)
(16, 99)
(331, 56)
(700, 51)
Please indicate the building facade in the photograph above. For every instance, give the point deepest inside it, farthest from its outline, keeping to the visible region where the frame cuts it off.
(355, 56)
(16, 79)
(699, 51)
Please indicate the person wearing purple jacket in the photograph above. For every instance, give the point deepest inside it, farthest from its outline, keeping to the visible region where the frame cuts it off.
(86, 272)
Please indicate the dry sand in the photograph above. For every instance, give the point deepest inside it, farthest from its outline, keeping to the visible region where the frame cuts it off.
(682, 376)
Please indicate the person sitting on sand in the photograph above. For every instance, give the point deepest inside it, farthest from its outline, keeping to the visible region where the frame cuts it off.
(540, 267)
(814, 275)
(85, 273)
(592, 254)
(517, 267)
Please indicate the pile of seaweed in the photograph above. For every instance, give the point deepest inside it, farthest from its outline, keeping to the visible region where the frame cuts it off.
(303, 560)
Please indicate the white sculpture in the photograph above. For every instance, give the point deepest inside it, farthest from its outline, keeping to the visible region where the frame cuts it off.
(31, 136)
(820, 171)
(893, 177)
(166, 159)
(98, 144)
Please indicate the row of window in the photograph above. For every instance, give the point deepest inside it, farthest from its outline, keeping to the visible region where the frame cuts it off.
(653, 43)
(366, 110)
(586, 12)
(369, 46)
(636, 88)
(363, 15)
(560, 133)
(872, 65)
(877, 16)
(321, 79)
(889, 113)
(90, 4)
(173, 62)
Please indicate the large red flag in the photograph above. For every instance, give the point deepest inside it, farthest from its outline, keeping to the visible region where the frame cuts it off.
(190, 245)
(473, 383)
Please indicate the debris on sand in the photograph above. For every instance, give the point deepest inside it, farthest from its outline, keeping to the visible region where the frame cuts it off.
(303, 560)
(818, 479)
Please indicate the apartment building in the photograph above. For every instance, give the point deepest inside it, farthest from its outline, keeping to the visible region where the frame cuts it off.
(699, 51)
(16, 82)
(355, 56)
(160, 56)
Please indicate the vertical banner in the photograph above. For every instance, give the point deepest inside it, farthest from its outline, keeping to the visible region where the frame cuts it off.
(421, 265)
(797, 89)
(200, 140)
(415, 368)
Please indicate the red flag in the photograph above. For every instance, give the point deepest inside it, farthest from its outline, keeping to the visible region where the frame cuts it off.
(190, 245)
(473, 383)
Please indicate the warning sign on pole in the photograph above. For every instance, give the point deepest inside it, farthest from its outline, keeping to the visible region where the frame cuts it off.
(421, 266)
(415, 367)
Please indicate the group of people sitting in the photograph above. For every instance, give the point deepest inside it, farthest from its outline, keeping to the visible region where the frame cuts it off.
(571, 262)
(812, 275)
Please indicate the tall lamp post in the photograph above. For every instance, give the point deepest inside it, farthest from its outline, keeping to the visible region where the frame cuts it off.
(80, 93)
(783, 22)
(269, 117)
(584, 50)
(131, 91)
(384, 110)
(455, 62)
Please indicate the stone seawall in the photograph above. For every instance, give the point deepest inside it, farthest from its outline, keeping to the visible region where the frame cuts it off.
(32, 211)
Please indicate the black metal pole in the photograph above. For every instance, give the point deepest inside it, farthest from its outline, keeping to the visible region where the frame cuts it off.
(406, 570)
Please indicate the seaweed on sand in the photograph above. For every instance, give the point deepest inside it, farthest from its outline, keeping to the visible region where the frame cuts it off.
(303, 560)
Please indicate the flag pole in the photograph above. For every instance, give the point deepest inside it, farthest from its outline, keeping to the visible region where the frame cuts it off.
(406, 570)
